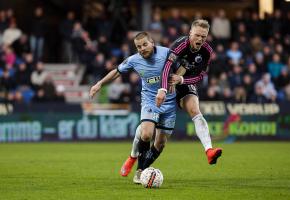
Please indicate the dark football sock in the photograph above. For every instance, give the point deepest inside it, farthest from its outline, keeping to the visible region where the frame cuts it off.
(150, 157)
(143, 147)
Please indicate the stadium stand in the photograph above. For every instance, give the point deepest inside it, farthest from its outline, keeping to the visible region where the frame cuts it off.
(250, 63)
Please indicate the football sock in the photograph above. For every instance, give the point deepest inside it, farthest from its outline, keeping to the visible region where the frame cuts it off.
(143, 147)
(202, 131)
(134, 151)
(151, 156)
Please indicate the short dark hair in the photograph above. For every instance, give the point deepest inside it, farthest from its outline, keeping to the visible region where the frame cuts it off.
(143, 34)
(200, 22)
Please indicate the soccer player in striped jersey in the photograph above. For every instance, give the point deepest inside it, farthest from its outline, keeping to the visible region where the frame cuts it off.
(194, 52)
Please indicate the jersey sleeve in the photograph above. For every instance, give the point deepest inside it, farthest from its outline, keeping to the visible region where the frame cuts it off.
(177, 48)
(125, 66)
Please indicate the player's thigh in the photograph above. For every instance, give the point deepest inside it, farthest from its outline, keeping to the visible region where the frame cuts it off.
(166, 122)
(190, 104)
(149, 118)
(183, 91)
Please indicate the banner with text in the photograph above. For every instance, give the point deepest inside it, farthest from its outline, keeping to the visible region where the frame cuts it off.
(225, 121)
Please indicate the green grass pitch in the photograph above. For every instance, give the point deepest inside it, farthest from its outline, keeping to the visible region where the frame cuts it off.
(89, 171)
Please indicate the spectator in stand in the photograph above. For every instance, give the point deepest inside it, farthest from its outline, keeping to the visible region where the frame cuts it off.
(234, 54)
(248, 84)
(66, 31)
(104, 46)
(283, 79)
(260, 64)
(238, 19)
(241, 32)
(98, 67)
(253, 73)
(172, 33)
(125, 52)
(7, 79)
(211, 95)
(276, 22)
(28, 59)
(255, 25)
(256, 44)
(48, 89)
(281, 52)
(258, 96)
(223, 81)
(245, 47)
(21, 46)
(268, 52)
(12, 33)
(22, 75)
(275, 67)
(38, 76)
(156, 25)
(227, 95)
(9, 56)
(236, 78)
(3, 21)
(38, 30)
(267, 86)
(287, 92)
(174, 20)
(221, 27)
(239, 94)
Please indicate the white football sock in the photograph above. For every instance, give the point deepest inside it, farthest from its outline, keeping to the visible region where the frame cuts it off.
(202, 131)
(134, 152)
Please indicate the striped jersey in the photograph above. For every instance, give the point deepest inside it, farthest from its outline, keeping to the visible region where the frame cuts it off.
(197, 61)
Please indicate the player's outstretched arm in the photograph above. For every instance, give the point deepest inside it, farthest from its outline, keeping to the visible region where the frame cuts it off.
(108, 78)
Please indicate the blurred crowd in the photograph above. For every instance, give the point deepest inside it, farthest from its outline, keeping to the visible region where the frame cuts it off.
(250, 63)
(22, 75)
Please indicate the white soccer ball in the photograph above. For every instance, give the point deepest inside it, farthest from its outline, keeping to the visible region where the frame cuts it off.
(151, 178)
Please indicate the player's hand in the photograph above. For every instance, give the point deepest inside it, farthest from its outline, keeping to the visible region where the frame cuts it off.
(171, 89)
(160, 98)
(174, 79)
(94, 89)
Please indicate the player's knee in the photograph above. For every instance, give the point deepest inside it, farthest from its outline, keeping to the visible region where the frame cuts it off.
(146, 135)
(193, 112)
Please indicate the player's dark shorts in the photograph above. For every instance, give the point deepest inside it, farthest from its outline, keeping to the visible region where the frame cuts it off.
(184, 90)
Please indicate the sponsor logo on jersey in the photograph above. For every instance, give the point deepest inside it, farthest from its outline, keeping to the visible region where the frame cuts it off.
(153, 80)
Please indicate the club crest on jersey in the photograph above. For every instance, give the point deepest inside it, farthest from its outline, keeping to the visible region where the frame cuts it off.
(198, 58)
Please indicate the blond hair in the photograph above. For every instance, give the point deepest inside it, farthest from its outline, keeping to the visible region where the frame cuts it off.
(200, 22)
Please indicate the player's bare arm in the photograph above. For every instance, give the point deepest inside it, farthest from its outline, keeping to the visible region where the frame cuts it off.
(112, 75)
